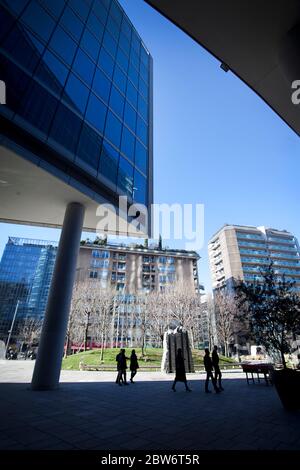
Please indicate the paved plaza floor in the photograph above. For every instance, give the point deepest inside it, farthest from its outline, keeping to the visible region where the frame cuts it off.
(89, 411)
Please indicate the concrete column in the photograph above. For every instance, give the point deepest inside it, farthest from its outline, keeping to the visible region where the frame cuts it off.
(50, 352)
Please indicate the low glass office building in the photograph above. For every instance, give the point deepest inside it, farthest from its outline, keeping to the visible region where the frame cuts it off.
(26, 270)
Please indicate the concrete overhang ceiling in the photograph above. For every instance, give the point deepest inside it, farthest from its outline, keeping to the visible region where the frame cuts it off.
(258, 40)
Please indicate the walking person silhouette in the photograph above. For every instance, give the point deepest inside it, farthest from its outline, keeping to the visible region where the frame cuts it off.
(209, 367)
(121, 367)
(180, 371)
(134, 365)
(215, 362)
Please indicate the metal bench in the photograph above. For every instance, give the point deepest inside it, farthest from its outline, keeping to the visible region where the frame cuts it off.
(258, 368)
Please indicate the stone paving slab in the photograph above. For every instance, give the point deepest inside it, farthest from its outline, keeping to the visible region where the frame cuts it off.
(89, 411)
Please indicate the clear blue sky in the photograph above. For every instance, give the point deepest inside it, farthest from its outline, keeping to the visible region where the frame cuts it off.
(215, 141)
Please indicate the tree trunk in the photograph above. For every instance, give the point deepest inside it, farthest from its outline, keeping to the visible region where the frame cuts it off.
(102, 347)
(283, 359)
(67, 346)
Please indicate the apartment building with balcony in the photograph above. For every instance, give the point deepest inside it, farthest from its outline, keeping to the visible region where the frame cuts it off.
(132, 269)
(242, 252)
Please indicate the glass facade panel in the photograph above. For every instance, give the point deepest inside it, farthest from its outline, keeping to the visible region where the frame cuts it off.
(89, 148)
(125, 176)
(140, 188)
(65, 128)
(106, 62)
(96, 112)
(127, 144)
(113, 129)
(77, 93)
(141, 157)
(72, 23)
(63, 45)
(101, 85)
(52, 71)
(38, 20)
(84, 66)
(109, 162)
(90, 44)
(38, 107)
(116, 102)
(96, 26)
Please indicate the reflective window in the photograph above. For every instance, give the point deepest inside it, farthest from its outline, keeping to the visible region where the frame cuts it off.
(106, 62)
(77, 92)
(22, 48)
(52, 72)
(133, 75)
(116, 13)
(63, 45)
(38, 107)
(113, 129)
(100, 11)
(144, 72)
(134, 59)
(84, 66)
(109, 162)
(54, 6)
(143, 88)
(81, 7)
(144, 56)
(142, 130)
(125, 27)
(131, 94)
(6, 21)
(120, 79)
(122, 60)
(113, 28)
(143, 108)
(65, 128)
(96, 112)
(141, 157)
(130, 116)
(125, 176)
(17, 6)
(109, 43)
(72, 23)
(101, 85)
(96, 26)
(116, 102)
(90, 44)
(135, 42)
(140, 188)
(127, 144)
(89, 148)
(124, 43)
(39, 20)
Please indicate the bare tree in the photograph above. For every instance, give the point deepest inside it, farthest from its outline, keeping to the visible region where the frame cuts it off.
(142, 318)
(228, 320)
(31, 330)
(184, 306)
(102, 305)
(91, 313)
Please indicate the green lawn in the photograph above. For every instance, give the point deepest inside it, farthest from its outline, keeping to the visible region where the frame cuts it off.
(152, 357)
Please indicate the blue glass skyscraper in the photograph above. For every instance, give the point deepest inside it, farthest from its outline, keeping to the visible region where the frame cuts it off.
(26, 269)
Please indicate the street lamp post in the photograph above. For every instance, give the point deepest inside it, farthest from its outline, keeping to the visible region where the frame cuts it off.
(11, 327)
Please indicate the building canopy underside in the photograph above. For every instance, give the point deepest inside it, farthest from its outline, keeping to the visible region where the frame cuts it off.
(259, 41)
